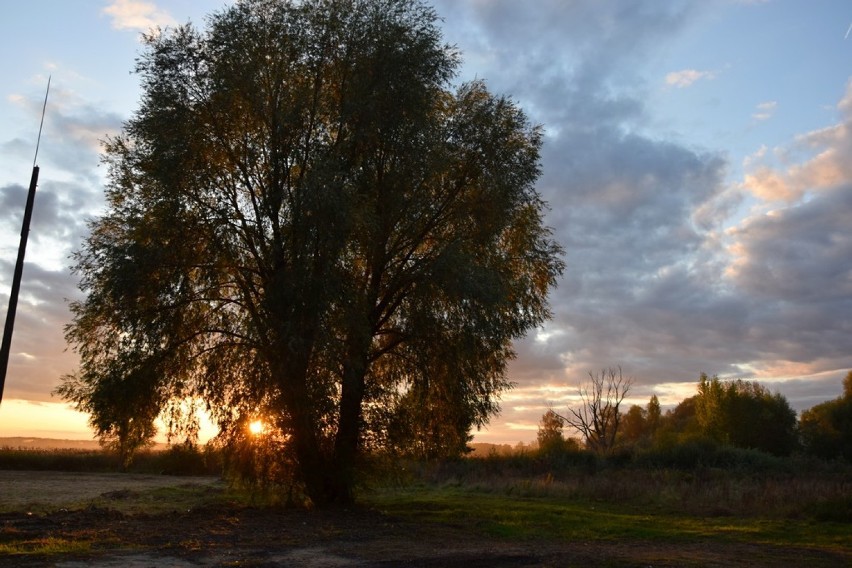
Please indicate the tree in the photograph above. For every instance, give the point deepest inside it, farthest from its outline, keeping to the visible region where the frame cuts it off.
(634, 426)
(550, 438)
(305, 222)
(598, 417)
(826, 429)
(746, 415)
(638, 425)
(653, 414)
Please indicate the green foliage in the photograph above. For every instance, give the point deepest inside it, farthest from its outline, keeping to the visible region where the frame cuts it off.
(631, 505)
(745, 414)
(639, 425)
(307, 222)
(826, 429)
(433, 419)
(700, 452)
(551, 441)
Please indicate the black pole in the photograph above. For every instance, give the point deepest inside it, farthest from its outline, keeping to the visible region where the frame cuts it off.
(16, 283)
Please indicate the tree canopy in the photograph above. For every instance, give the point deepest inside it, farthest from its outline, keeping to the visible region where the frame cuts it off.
(307, 222)
(826, 429)
(746, 415)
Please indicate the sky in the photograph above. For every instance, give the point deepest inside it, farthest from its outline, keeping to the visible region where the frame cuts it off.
(697, 164)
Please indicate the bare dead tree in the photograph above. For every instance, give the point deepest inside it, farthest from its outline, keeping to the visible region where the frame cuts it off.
(598, 416)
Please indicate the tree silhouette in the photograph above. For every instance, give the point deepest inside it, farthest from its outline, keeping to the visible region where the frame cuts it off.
(305, 222)
(598, 417)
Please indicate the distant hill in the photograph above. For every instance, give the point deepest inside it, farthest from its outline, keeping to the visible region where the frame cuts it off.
(47, 443)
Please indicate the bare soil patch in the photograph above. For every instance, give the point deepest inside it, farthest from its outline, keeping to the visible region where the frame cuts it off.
(231, 535)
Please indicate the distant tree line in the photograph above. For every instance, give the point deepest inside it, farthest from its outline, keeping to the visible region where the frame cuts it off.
(737, 414)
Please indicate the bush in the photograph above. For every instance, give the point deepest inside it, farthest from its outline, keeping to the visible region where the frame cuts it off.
(184, 459)
(702, 452)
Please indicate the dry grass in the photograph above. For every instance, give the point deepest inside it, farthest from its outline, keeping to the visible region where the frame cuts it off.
(46, 491)
(703, 491)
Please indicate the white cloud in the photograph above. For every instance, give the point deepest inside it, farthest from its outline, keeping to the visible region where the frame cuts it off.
(769, 185)
(765, 110)
(137, 15)
(790, 260)
(686, 77)
(824, 164)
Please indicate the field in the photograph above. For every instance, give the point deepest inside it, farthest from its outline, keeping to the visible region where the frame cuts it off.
(432, 516)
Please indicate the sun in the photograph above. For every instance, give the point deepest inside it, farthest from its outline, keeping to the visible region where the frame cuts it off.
(257, 427)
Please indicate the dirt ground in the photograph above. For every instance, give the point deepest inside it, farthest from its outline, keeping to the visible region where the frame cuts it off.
(239, 536)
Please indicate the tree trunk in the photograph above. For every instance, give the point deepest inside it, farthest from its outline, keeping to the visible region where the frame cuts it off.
(350, 412)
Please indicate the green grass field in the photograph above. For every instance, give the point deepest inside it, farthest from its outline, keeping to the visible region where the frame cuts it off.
(796, 513)
(568, 519)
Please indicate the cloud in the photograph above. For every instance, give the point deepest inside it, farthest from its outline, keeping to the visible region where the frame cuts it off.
(38, 356)
(663, 275)
(69, 191)
(622, 203)
(814, 161)
(687, 77)
(765, 110)
(769, 185)
(673, 268)
(791, 260)
(73, 131)
(137, 15)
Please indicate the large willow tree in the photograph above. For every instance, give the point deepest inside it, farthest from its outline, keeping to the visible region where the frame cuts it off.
(307, 223)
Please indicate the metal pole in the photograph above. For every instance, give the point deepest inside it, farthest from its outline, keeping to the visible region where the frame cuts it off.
(6, 346)
(16, 283)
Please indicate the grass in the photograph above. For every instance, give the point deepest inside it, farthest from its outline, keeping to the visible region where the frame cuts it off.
(45, 546)
(783, 493)
(568, 519)
(163, 500)
(176, 460)
(798, 506)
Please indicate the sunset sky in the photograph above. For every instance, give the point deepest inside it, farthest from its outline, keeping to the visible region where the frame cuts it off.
(697, 164)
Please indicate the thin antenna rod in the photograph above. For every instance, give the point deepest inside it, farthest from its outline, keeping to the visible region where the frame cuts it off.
(40, 126)
(6, 345)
